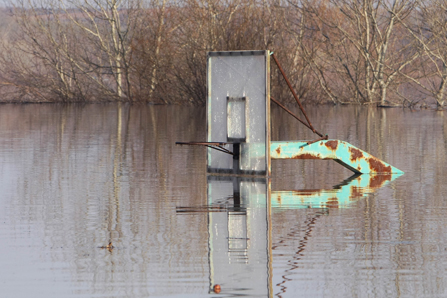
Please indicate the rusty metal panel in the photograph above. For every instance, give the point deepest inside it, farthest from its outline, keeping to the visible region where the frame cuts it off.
(238, 94)
(344, 153)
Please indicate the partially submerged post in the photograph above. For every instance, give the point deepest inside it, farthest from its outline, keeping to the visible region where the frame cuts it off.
(238, 122)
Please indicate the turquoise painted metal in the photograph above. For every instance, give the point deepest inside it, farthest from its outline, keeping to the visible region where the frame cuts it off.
(341, 196)
(347, 155)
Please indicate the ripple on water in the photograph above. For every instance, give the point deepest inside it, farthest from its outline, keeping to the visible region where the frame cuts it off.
(75, 178)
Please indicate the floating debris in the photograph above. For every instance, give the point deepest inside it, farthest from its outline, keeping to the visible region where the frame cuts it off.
(216, 289)
(109, 247)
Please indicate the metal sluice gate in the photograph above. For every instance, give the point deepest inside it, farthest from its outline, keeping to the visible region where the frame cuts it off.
(238, 122)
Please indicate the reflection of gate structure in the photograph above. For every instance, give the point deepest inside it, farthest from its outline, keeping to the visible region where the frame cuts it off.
(238, 122)
(239, 224)
(239, 240)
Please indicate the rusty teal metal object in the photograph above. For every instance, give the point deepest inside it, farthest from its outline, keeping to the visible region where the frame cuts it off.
(238, 122)
(347, 155)
(353, 189)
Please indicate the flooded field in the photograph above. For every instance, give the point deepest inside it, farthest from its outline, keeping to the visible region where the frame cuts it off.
(98, 201)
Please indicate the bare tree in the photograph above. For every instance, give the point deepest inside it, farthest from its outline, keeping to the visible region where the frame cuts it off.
(363, 45)
(154, 50)
(429, 29)
(108, 27)
(303, 52)
(218, 25)
(72, 50)
(340, 51)
(33, 59)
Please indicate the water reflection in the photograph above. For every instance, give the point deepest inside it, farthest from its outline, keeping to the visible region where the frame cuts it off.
(86, 193)
(239, 227)
(340, 196)
(74, 178)
(239, 237)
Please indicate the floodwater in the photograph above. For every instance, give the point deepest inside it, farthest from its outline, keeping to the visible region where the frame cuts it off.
(98, 201)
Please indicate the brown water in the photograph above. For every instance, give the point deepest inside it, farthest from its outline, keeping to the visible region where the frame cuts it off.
(75, 178)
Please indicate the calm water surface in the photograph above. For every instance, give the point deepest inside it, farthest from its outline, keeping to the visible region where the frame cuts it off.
(97, 201)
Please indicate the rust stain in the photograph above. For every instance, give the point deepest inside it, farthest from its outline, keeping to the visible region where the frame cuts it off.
(332, 203)
(376, 181)
(355, 154)
(356, 192)
(332, 145)
(306, 156)
(278, 150)
(378, 166)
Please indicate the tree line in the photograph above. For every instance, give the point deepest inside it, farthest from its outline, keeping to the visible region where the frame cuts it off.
(154, 51)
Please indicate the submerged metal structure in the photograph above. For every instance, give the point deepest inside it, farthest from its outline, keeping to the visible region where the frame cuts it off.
(238, 122)
(239, 154)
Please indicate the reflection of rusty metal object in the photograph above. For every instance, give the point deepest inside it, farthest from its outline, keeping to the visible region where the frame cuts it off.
(344, 153)
(332, 203)
(352, 189)
(377, 181)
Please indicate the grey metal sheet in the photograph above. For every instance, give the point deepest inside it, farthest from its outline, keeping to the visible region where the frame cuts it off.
(239, 75)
